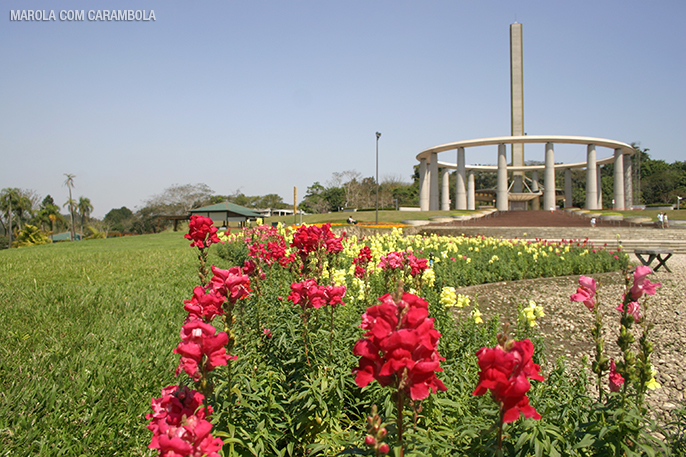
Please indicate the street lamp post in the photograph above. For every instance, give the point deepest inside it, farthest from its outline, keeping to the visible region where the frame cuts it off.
(377, 177)
(678, 202)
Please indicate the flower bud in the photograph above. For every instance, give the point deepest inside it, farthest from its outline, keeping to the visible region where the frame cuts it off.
(384, 448)
(382, 433)
(370, 440)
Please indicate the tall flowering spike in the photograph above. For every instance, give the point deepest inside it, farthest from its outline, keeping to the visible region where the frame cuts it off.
(641, 283)
(179, 424)
(201, 349)
(399, 347)
(505, 371)
(231, 283)
(202, 231)
(586, 292)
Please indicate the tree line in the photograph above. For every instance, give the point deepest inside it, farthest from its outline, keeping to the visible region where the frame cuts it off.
(23, 211)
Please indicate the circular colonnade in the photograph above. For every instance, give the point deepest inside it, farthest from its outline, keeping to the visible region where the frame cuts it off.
(465, 194)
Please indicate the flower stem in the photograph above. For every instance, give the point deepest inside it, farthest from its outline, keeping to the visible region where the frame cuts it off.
(399, 420)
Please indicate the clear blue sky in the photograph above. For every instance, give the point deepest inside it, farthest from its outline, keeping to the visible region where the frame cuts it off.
(263, 96)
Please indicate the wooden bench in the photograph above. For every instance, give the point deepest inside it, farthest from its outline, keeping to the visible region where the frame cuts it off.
(654, 254)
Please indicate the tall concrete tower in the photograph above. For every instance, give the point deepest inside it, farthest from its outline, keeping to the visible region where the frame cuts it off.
(517, 101)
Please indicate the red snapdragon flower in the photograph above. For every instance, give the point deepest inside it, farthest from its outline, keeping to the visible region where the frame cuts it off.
(309, 239)
(641, 284)
(506, 374)
(231, 283)
(361, 261)
(204, 305)
(202, 231)
(309, 294)
(586, 292)
(201, 349)
(179, 424)
(615, 379)
(399, 347)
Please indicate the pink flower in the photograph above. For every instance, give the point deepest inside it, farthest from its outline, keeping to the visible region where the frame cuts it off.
(641, 284)
(202, 231)
(405, 261)
(632, 308)
(267, 332)
(586, 292)
(199, 343)
(615, 380)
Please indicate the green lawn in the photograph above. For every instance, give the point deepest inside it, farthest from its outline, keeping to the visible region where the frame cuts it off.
(87, 331)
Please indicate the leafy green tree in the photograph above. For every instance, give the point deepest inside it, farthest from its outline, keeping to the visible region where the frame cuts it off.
(49, 213)
(314, 201)
(119, 220)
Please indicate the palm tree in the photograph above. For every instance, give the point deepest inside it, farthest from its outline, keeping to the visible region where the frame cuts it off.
(7, 197)
(69, 182)
(10, 199)
(85, 209)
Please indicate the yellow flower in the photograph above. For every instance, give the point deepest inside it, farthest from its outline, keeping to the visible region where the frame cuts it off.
(462, 300)
(653, 384)
(476, 314)
(531, 313)
(429, 277)
(338, 277)
(448, 297)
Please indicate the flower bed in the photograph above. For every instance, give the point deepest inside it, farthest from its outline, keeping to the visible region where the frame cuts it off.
(306, 337)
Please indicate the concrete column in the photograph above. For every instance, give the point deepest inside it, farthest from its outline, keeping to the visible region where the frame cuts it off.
(501, 199)
(471, 198)
(591, 178)
(568, 187)
(600, 187)
(517, 102)
(628, 183)
(423, 186)
(619, 181)
(536, 202)
(549, 177)
(433, 182)
(460, 192)
(445, 189)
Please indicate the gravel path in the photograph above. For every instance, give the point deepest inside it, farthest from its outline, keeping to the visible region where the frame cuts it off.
(567, 324)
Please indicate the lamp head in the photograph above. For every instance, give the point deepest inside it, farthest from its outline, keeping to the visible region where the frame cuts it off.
(378, 135)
